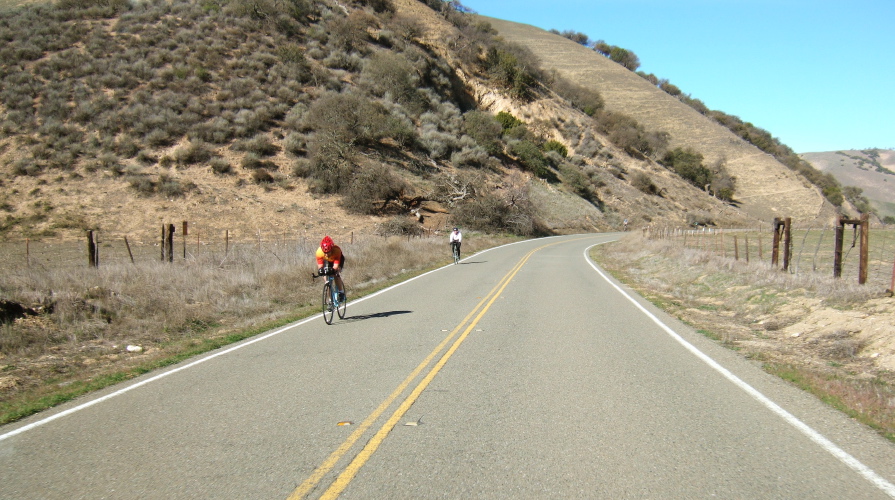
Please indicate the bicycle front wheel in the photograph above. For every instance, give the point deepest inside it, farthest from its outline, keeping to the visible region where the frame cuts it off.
(456, 254)
(343, 305)
(328, 308)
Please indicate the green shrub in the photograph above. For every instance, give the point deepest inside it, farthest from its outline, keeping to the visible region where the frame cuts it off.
(485, 129)
(556, 146)
(532, 159)
(687, 163)
(508, 121)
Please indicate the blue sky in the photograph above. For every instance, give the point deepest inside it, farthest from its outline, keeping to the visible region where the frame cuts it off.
(819, 75)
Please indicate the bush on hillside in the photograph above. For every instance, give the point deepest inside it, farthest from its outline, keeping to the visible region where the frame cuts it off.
(643, 183)
(485, 129)
(532, 159)
(372, 188)
(687, 163)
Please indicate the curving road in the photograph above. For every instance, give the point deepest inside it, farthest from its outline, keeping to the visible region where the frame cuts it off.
(523, 372)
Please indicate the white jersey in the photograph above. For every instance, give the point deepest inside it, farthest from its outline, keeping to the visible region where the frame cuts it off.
(458, 237)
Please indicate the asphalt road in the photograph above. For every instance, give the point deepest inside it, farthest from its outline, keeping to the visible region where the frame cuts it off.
(523, 372)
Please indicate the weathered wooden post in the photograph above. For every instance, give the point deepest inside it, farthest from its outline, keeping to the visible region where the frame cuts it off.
(837, 249)
(891, 290)
(91, 249)
(782, 230)
(170, 242)
(775, 248)
(736, 248)
(185, 234)
(787, 242)
(164, 239)
(746, 243)
(865, 249)
(28, 252)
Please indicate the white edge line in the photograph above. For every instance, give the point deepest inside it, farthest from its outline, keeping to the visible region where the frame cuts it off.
(879, 481)
(266, 336)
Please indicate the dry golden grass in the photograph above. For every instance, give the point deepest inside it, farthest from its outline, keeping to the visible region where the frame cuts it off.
(174, 310)
(831, 337)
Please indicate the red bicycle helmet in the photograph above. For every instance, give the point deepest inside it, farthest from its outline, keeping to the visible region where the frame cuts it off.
(326, 244)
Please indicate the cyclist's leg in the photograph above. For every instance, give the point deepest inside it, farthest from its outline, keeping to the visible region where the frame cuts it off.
(339, 283)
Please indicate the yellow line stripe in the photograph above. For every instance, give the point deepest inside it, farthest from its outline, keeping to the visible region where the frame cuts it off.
(354, 467)
(312, 481)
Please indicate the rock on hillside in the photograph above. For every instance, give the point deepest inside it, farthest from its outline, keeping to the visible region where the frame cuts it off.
(765, 187)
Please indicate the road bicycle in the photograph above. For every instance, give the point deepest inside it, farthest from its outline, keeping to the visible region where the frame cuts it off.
(331, 302)
(455, 249)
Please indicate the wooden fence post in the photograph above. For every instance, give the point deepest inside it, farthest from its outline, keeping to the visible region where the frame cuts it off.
(891, 290)
(185, 234)
(170, 242)
(91, 250)
(865, 249)
(837, 248)
(164, 239)
(28, 252)
(775, 248)
(787, 242)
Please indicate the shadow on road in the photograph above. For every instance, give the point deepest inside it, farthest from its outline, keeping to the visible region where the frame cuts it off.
(376, 315)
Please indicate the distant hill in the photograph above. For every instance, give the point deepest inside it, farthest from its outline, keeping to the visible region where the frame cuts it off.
(871, 170)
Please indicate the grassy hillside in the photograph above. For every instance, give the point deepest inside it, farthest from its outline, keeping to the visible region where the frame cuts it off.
(299, 116)
(872, 172)
(764, 187)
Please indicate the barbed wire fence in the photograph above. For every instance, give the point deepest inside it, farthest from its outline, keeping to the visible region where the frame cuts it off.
(190, 242)
(812, 249)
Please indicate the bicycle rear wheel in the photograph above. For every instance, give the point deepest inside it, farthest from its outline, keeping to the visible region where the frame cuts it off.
(328, 309)
(343, 305)
(456, 254)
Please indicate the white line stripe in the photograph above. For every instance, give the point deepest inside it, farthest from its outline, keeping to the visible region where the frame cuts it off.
(879, 481)
(129, 388)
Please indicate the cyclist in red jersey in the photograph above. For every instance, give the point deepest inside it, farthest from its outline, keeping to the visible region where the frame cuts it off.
(331, 260)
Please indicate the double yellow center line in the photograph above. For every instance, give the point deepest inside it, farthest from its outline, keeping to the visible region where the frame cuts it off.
(345, 478)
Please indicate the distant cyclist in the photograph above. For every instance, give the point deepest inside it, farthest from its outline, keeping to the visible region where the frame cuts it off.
(331, 260)
(456, 239)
